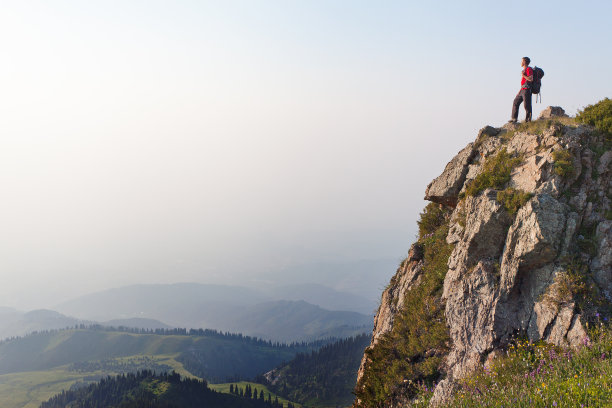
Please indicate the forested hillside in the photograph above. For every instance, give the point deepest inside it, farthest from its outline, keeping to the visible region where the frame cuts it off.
(325, 377)
(208, 354)
(148, 390)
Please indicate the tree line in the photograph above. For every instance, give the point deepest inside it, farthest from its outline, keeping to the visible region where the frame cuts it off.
(146, 389)
(249, 392)
(212, 333)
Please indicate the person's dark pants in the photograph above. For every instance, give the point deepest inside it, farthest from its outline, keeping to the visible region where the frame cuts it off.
(524, 96)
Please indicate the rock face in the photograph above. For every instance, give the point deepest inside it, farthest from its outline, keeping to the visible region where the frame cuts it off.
(445, 189)
(508, 268)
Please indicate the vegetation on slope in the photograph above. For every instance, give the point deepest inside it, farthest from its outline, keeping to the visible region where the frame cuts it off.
(325, 377)
(148, 390)
(513, 199)
(564, 163)
(413, 350)
(598, 115)
(540, 375)
(495, 173)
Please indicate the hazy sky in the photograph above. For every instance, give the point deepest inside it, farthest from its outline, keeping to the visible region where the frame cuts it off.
(166, 141)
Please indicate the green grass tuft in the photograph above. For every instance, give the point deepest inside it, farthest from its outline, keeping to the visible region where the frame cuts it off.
(495, 173)
(563, 163)
(513, 199)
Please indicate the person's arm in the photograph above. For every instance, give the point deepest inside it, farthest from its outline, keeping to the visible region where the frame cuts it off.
(530, 77)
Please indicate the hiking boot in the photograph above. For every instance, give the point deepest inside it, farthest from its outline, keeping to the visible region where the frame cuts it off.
(512, 121)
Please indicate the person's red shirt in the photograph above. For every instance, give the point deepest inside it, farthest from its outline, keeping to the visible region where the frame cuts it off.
(527, 72)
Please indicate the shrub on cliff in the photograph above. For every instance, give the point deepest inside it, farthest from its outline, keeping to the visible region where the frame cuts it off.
(564, 163)
(431, 219)
(513, 199)
(598, 115)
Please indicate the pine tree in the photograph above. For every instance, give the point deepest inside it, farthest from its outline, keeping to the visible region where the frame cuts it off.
(231, 388)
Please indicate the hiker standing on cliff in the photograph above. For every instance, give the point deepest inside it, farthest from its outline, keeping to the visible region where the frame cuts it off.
(524, 95)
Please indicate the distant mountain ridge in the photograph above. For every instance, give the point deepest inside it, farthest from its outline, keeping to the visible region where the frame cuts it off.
(288, 321)
(261, 313)
(17, 323)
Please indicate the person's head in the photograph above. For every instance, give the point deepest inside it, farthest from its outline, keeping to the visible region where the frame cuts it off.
(525, 62)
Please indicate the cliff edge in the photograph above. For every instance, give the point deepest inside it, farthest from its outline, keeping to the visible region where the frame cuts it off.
(517, 241)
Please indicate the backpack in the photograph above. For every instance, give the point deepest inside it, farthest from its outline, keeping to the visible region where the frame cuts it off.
(538, 73)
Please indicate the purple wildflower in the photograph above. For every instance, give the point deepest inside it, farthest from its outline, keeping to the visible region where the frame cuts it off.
(586, 341)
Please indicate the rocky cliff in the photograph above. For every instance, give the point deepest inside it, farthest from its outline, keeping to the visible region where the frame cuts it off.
(520, 221)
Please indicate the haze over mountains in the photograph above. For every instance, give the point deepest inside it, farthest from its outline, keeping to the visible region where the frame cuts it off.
(286, 313)
(16, 323)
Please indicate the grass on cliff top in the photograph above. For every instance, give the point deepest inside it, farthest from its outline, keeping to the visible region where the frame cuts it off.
(537, 127)
(413, 350)
(541, 375)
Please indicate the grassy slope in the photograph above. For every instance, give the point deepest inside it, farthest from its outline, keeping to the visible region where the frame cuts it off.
(541, 375)
(29, 389)
(225, 356)
(48, 350)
